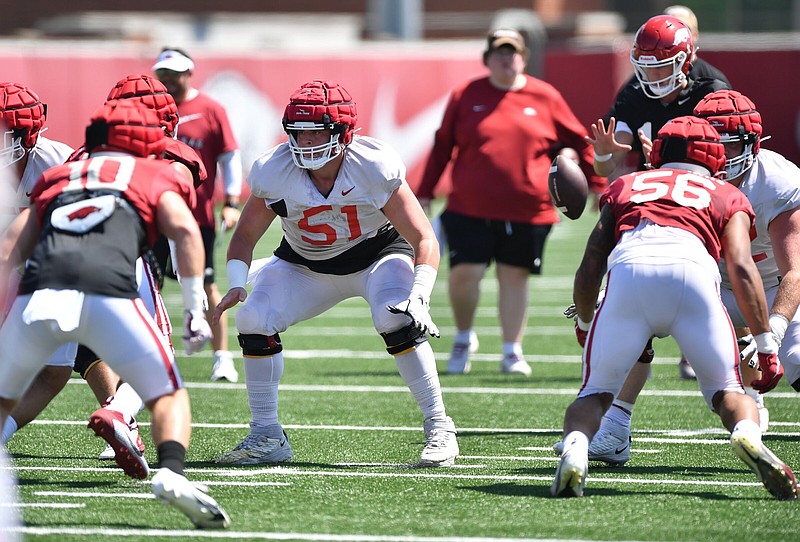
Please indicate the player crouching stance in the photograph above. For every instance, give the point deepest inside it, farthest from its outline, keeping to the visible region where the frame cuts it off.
(352, 227)
(89, 222)
(661, 234)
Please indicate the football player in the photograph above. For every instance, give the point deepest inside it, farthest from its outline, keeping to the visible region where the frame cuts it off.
(659, 237)
(109, 208)
(352, 227)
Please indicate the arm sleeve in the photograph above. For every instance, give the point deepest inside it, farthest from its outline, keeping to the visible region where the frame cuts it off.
(231, 165)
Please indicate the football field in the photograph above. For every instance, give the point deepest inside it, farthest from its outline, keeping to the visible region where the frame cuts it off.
(357, 433)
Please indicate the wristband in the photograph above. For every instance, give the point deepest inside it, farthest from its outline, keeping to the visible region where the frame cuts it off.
(231, 205)
(602, 157)
(766, 343)
(237, 272)
(194, 296)
(424, 279)
(778, 324)
(583, 326)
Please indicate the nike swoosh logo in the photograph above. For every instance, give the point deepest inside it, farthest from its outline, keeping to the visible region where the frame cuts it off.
(686, 99)
(28, 194)
(189, 118)
(620, 450)
(345, 192)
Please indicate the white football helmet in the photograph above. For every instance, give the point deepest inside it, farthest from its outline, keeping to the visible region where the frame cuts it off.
(320, 105)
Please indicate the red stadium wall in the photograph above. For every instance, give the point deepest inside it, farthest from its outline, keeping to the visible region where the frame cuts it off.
(400, 94)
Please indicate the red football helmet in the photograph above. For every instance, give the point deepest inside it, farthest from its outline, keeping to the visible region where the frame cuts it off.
(153, 94)
(320, 105)
(662, 41)
(22, 115)
(735, 117)
(689, 140)
(126, 125)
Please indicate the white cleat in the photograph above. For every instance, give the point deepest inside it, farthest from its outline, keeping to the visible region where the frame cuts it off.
(515, 364)
(223, 368)
(259, 449)
(175, 490)
(441, 445)
(611, 444)
(685, 369)
(776, 476)
(108, 453)
(570, 475)
(459, 363)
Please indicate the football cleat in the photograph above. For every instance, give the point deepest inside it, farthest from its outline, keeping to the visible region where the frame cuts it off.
(441, 445)
(258, 449)
(108, 453)
(570, 475)
(611, 444)
(223, 368)
(459, 363)
(515, 364)
(686, 370)
(111, 426)
(776, 476)
(175, 490)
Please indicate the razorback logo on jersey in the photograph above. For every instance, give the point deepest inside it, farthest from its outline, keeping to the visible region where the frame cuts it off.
(83, 212)
(82, 216)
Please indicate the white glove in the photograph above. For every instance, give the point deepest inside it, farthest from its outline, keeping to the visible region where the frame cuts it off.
(572, 310)
(196, 331)
(418, 310)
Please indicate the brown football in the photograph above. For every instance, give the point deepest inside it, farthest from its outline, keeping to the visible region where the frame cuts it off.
(568, 187)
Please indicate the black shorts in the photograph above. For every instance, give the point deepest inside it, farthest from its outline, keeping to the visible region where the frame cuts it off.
(161, 251)
(479, 240)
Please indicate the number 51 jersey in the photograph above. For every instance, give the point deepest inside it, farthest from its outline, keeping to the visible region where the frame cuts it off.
(320, 227)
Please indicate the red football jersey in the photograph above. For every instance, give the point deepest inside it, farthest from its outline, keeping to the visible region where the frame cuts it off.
(673, 197)
(140, 181)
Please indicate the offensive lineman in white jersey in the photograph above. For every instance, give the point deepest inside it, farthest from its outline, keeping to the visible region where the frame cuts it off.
(352, 227)
(772, 185)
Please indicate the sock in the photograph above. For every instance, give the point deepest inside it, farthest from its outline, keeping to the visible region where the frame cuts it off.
(749, 428)
(466, 336)
(620, 412)
(512, 349)
(418, 370)
(262, 376)
(8, 430)
(757, 397)
(577, 441)
(126, 401)
(172, 456)
(223, 354)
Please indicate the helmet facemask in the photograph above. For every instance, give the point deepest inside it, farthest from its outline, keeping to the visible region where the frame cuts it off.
(317, 156)
(665, 86)
(12, 151)
(738, 165)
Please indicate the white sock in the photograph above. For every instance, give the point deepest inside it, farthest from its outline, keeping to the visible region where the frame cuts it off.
(512, 349)
(577, 441)
(418, 370)
(466, 336)
(223, 354)
(262, 376)
(126, 401)
(620, 412)
(757, 397)
(749, 428)
(9, 429)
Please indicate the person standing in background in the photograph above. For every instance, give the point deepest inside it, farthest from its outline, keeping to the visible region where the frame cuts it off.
(204, 126)
(506, 128)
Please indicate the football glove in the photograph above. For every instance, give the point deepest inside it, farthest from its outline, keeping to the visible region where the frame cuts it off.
(771, 372)
(418, 310)
(572, 310)
(196, 331)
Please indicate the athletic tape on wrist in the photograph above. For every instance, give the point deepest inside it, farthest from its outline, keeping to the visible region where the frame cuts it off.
(778, 324)
(424, 279)
(194, 296)
(602, 157)
(237, 272)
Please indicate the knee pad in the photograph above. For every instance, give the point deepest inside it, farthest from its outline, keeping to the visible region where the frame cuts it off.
(403, 340)
(247, 319)
(85, 359)
(258, 346)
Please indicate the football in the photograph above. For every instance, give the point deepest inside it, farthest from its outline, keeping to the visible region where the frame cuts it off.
(568, 187)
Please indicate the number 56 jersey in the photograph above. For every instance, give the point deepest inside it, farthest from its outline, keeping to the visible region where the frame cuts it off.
(320, 227)
(685, 198)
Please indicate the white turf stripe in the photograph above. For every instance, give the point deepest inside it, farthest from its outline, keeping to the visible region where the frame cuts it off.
(91, 495)
(413, 473)
(43, 505)
(243, 535)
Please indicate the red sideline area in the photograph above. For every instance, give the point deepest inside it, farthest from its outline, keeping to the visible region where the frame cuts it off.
(400, 94)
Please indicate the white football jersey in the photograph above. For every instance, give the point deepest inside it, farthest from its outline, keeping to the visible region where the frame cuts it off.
(772, 186)
(319, 227)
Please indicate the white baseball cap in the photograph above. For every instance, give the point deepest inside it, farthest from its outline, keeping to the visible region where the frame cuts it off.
(173, 60)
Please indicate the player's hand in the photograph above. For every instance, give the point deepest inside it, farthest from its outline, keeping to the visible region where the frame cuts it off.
(231, 299)
(771, 373)
(572, 310)
(647, 146)
(230, 217)
(418, 310)
(603, 139)
(196, 331)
